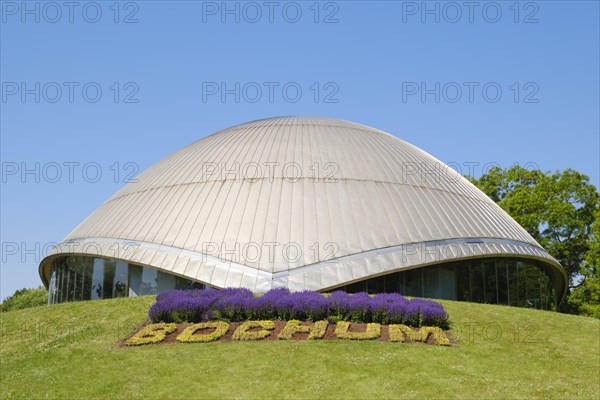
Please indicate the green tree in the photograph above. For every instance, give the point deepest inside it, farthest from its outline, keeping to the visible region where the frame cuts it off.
(25, 298)
(585, 297)
(557, 209)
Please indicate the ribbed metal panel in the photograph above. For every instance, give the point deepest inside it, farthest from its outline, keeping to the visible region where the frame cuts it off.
(383, 193)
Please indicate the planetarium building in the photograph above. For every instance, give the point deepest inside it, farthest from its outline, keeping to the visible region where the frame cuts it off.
(308, 204)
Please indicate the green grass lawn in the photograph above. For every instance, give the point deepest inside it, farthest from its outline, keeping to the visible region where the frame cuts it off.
(70, 351)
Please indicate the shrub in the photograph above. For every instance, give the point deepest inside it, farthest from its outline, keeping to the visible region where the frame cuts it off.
(235, 304)
(184, 305)
(25, 298)
(339, 309)
(359, 306)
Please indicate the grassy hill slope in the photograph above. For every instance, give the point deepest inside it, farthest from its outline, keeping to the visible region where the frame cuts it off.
(69, 350)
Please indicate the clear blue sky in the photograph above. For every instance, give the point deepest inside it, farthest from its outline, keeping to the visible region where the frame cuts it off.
(371, 62)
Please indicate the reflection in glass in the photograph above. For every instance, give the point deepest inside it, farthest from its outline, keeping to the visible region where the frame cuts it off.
(109, 277)
(489, 282)
(75, 278)
(165, 281)
(120, 288)
(149, 281)
(135, 280)
(496, 281)
(501, 283)
(477, 281)
(97, 279)
(412, 282)
(431, 282)
(447, 282)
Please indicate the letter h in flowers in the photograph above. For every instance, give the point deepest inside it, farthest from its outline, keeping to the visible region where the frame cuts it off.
(315, 331)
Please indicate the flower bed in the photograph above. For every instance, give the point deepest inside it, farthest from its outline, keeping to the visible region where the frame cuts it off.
(265, 330)
(235, 304)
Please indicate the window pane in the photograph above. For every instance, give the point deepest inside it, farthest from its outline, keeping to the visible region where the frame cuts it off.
(98, 278)
(431, 282)
(149, 281)
(86, 290)
(534, 280)
(490, 281)
(68, 282)
(463, 287)
(513, 283)
(165, 281)
(477, 282)
(52, 286)
(135, 280)
(109, 278)
(74, 271)
(502, 282)
(447, 279)
(375, 285)
(522, 282)
(186, 284)
(120, 287)
(413, 284)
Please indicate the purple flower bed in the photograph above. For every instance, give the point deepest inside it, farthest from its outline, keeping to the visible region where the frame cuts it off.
(236, 304)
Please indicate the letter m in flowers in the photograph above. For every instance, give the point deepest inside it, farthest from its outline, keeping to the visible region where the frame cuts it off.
(403, 333)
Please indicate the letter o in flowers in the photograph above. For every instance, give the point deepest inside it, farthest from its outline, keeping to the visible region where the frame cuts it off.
(153, 333)
(342, 331)
(241, 333)
(189, 336)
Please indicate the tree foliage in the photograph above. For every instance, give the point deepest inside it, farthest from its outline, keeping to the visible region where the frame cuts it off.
(25, 298)
(558, 209)
(585, 298)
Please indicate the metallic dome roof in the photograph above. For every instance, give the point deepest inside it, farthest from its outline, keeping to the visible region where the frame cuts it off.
(302, 202)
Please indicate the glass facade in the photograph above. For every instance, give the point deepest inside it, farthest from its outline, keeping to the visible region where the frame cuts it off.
(75, 278)
(509, 281)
